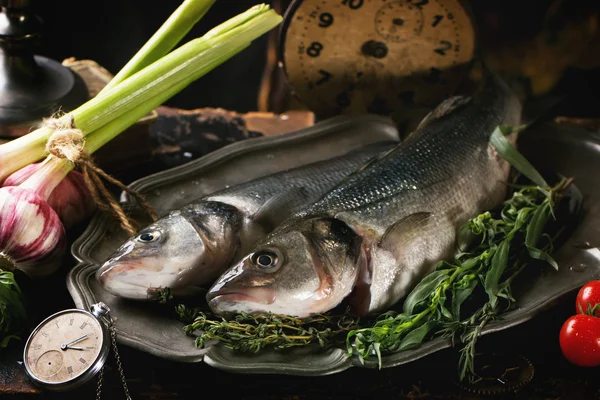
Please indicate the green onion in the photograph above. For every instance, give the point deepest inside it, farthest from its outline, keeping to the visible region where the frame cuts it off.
(164, 40)
(152, 85)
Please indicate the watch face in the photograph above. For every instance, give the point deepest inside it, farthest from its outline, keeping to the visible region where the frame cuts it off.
(65, 347)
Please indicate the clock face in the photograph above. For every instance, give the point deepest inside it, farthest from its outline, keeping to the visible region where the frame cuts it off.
(64, 347)
(377, 56)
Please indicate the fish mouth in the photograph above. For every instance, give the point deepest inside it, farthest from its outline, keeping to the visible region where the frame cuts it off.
(222, 301)
(127, 280)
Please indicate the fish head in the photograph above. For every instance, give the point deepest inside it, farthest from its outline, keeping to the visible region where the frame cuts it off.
(182, 251)
(304, 267)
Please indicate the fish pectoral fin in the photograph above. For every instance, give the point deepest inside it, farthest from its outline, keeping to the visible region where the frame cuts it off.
(277, 208)
(446, 107)
(405, 231)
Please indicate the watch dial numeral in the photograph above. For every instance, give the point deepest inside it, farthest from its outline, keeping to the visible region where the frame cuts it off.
(71, 321)
(81, 360)
(45, 334)
(70, 369)
(443, 47)
(325, 76)
(83, 325)
(353, 4)
(325, 20)
(37, 347)
(314, 50)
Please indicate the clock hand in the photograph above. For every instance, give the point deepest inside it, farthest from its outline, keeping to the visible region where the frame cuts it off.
(75, 348)
(64, 346)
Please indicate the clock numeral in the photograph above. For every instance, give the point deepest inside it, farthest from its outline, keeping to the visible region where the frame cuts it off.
(83, 325)
(325, 76)
(44, 334)
(436, 20)
(71, 321)
(420, 3)
(444, 46)
(355, 4)
(37, 347)
(81, 360)
(56, 322)
(70, 370)
(325, 20)
(314, 50)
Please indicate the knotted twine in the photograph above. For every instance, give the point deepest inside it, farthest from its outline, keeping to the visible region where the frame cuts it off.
(68, 142)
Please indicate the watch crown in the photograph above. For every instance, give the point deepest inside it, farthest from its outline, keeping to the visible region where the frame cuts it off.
(99, 309)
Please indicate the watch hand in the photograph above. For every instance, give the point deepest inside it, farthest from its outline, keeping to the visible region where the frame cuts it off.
(76, 348)
(64, 346)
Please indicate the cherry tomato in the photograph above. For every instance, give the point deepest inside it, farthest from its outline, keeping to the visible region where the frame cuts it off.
(589, 298)
(580, 340)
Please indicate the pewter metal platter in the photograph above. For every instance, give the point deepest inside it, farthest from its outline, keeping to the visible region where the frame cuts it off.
(566, 151)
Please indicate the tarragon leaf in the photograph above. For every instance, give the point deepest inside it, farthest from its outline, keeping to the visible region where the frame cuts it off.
(534, 232)
(497, 267)
(460, 294)
(416, 337)
(514, 157)
(423, 290)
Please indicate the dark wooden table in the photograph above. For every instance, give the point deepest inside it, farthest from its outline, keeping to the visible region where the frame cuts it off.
(432, 377)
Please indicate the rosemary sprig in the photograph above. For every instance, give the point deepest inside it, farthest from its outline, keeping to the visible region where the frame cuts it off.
(508, 239)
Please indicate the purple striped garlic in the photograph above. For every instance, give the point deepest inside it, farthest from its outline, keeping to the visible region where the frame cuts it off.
(32, 236)
(71, 198)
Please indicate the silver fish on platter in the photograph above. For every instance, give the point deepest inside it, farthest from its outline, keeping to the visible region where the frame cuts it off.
(374, 236)
(190, 247)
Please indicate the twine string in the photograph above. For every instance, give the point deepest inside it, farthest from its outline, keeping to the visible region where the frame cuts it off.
(68, 142)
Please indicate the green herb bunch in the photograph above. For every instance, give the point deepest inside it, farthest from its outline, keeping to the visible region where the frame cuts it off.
(505, 241)
(13, 314)
(252, 333)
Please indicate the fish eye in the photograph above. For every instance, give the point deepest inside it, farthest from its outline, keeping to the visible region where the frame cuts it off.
(148, 237)
(266, 260)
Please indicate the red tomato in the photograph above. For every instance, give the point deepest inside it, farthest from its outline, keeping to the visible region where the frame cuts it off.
(580, 340)
(589, 294)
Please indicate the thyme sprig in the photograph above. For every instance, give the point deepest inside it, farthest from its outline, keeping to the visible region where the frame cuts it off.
(507, 240)
(252, 333)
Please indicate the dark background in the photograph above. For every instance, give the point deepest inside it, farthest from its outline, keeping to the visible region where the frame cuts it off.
(110, 33)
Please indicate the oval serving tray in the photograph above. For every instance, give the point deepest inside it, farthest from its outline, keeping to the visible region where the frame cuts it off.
(569, 152)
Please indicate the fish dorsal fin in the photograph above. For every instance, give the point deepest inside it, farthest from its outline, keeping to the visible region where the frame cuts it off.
(277, 208)
(405, 231)
(446, 107)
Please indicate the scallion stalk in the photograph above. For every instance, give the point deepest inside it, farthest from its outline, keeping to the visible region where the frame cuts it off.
(31, 147)
(172, 31)
(177, 69)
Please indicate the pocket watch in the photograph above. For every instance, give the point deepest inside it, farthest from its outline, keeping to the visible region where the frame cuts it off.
(70, 347)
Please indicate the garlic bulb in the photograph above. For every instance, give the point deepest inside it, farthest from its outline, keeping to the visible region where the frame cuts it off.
(71, 198)
(32, 237)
